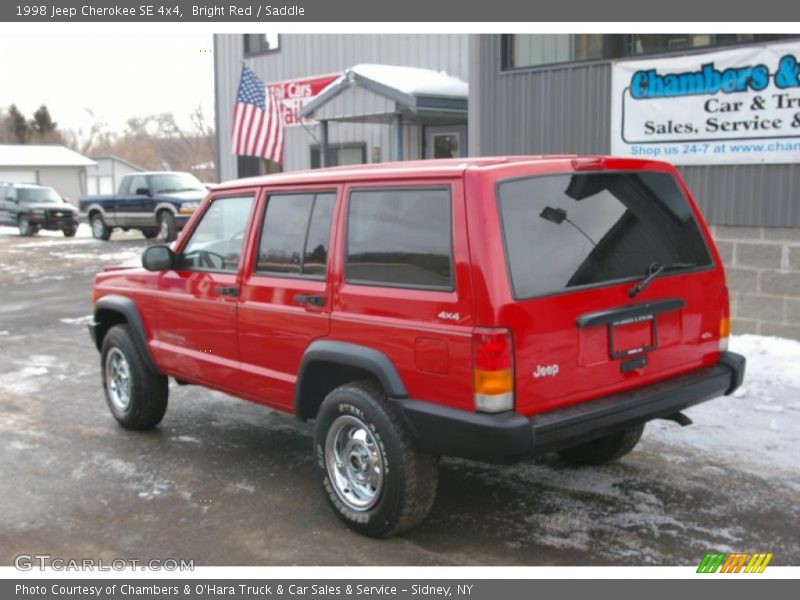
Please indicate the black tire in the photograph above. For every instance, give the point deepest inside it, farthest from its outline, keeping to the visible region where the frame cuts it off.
(100, 231)
(147, 391)
(150, 233)
(167, 227)
(606, 449)
(409, 476)
(70, 231)
(26, 228)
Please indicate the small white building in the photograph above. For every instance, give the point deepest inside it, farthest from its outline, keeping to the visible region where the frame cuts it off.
(55, 166)
(105, 175)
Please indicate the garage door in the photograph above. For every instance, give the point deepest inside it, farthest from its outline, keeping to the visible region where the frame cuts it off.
(18, 176)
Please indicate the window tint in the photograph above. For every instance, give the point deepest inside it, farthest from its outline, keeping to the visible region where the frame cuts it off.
(565, 231)
(136, 182)
(319, 233)
(296, 234)
(400, 238)
(38, 195)
(216, 242)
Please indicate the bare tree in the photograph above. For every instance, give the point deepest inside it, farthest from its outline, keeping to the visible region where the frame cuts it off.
(155, 142)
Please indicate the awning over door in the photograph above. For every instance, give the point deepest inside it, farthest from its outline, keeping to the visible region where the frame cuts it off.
(379, 93)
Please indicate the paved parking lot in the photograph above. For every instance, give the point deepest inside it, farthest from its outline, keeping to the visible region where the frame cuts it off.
(225, 482)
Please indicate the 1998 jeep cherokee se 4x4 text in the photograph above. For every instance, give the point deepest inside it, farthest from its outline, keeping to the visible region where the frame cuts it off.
(491, 309)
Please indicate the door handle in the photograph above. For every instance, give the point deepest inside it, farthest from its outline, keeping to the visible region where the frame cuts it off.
(310, 299)
(227, 291)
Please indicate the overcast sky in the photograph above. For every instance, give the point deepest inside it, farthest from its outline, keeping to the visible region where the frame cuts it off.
(115, 76)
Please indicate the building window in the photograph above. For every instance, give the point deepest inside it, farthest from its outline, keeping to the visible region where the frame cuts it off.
(531, 50)
(400, 238)
(258, 43)
(340, 155)
(670, 42)
(252, 166)
(537, 49)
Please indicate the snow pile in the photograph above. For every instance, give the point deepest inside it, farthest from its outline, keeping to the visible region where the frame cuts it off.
(770, 361)
(78, 320)
(414, 81)
(757, 429)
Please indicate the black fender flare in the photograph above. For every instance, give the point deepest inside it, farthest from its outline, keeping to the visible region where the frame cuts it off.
(127, 308)
(352, 355)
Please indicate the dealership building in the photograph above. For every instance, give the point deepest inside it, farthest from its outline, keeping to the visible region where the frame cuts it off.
(389, 97)
(724, 108)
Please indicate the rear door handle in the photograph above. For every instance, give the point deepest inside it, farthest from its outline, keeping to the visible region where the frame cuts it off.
(227, 291)
(310, 299)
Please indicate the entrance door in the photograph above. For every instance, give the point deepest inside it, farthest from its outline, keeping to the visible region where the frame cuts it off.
(446, 141)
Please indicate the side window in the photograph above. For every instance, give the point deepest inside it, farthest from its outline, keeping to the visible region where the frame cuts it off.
(296, 234)
(216, 242)
(401, 238)
(136, 182)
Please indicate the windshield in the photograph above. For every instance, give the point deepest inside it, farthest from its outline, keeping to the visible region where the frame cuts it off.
(175, 182)
(566, 231)
(38, 195)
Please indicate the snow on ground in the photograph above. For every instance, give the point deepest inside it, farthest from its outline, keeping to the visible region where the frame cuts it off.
(83, 232)
(49, 255)
(758, 427)
(77, 320)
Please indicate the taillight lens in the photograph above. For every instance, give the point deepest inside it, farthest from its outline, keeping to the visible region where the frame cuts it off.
(493, 366)
(725, 323)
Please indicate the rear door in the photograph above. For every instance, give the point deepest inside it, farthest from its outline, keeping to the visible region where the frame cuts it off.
(404, 286)
(286, 299)
(576, 246)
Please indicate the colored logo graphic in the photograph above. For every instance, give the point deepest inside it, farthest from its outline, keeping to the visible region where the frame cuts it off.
(736, 562)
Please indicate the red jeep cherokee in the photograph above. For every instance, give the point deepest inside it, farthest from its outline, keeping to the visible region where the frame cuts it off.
(492, 309)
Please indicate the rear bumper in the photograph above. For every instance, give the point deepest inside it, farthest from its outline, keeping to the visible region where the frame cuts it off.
(510, 437)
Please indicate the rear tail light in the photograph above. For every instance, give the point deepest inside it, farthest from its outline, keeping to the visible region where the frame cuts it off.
(725, 323)
(493, 365)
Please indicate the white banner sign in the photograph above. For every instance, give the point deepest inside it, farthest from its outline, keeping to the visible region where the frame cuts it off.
(739, 106)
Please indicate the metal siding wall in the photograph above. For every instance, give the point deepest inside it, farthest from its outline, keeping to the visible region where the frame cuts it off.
(303, 55)
(567, 109)
(67, 181)
(564, 110)
(758, 195)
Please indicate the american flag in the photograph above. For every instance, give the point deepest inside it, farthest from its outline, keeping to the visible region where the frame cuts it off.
(257, 120)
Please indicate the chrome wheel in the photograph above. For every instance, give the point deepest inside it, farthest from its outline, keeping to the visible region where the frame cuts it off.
(354, 463)
(118, 379)
(98, 227)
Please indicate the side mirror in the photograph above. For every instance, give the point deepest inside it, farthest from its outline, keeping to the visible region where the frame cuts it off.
(143, 191)
(158, 258)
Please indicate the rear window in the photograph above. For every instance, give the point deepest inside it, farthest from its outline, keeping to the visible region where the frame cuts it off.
(568, 231)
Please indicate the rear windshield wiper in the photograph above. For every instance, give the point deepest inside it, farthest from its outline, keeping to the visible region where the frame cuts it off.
(653, 271)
